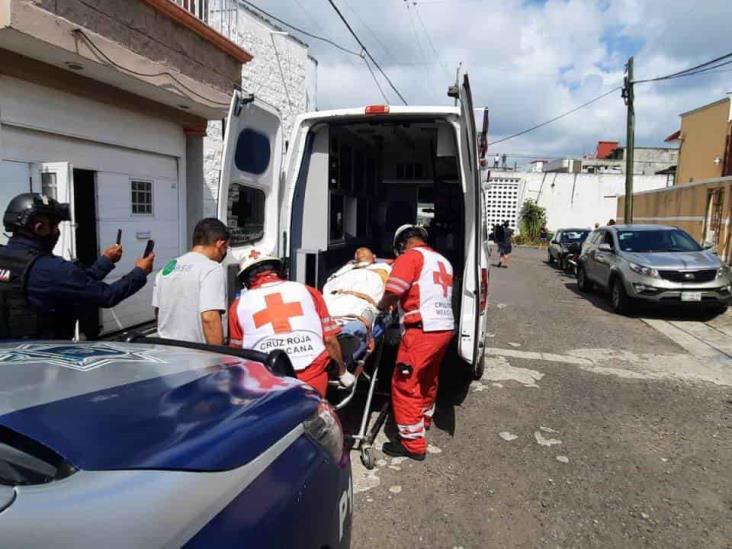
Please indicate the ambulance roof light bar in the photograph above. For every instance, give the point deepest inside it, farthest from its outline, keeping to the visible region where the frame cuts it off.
(376, 109)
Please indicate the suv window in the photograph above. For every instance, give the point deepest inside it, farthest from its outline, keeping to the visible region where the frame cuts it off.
(663, 240)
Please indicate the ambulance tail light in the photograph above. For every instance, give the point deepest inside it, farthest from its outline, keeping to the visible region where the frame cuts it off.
(325, 429)
(376, 109)
(484, 278)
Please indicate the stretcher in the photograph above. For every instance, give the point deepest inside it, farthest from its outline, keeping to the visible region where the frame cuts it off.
(365, 363)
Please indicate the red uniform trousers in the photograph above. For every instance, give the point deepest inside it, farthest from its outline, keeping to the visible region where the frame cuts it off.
(413, 395)
(316, 375)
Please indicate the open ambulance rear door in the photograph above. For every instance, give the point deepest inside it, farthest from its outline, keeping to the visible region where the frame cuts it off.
(471, 334)
(248, 200)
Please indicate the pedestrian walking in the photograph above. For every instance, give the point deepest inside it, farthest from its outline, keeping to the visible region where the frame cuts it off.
(543, 236)
(275, 313)
(421, 282)
(505, 246)
(190, 291)
(42, 296)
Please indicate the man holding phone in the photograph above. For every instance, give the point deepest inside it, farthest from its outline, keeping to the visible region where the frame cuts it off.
(190, 291)
(43, 295)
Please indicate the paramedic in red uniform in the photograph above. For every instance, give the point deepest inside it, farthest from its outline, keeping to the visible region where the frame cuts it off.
(421, 282)
(273, 313)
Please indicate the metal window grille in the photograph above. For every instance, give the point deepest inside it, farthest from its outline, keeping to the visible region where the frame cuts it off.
(141, 197)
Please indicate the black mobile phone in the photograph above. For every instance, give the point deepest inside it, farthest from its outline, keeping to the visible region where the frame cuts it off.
(149, 248)
(119, 237)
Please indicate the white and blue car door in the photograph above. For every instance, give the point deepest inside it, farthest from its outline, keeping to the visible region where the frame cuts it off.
(248, 200)
(471, 344)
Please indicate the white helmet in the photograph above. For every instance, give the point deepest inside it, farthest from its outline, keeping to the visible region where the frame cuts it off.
(404, 233)
(255, 258)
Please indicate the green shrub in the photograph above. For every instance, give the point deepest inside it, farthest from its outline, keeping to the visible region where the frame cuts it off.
(531, 218)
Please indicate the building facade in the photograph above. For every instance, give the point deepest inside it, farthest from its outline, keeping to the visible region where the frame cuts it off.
(104, 105)
(700, 201)
(282, 74)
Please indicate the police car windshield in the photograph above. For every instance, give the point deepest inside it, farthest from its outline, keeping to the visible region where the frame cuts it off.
(25, 462)
(663, 240)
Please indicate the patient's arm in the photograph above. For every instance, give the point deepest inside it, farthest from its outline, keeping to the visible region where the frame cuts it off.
(388, 301)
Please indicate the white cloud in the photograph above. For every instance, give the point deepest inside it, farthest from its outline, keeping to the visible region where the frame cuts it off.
(528, 60)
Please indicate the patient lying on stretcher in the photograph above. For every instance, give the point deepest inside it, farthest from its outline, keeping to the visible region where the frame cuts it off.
(353, 292)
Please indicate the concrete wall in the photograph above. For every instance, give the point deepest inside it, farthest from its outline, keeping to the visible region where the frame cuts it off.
(579, 200)
(280, 74)
(703, 138)
(141, 29)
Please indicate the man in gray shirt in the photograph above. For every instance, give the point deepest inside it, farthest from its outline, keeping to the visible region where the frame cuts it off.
(190, 291)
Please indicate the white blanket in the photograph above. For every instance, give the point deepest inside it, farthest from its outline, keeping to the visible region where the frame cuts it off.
(351, 278)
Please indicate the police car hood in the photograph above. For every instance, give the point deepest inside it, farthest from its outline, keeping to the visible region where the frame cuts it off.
(106, 406)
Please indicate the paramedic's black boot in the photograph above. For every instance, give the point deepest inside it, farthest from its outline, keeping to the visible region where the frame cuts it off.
(395, 449)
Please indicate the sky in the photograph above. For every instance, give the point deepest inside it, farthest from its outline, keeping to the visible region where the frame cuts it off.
(527, 60)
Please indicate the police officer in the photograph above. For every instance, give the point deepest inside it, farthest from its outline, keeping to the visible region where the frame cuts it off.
(42, 295)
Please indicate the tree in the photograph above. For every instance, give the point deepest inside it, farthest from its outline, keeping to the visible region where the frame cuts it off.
(531, 218)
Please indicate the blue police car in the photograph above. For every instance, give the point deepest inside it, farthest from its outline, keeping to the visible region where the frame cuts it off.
(155, 445)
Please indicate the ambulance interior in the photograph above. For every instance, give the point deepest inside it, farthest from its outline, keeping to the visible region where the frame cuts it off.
(361, 180)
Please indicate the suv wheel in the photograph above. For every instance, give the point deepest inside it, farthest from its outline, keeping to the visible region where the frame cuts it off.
(621, 303)
(549, 258)
(583, 283)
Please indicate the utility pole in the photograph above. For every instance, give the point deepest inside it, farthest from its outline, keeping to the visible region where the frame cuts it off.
(629, 97)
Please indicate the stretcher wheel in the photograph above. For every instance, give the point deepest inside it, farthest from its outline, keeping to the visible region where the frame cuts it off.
(367, 457)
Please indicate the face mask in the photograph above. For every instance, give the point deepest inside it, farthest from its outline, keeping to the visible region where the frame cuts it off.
(48, 242)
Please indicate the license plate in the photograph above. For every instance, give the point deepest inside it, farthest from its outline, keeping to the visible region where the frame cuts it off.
(691, 296)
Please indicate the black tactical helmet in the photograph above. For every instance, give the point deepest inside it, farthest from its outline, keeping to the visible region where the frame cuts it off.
(24, 207)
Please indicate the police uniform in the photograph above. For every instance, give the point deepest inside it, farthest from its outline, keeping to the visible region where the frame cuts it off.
(422, 279)
(42, 295)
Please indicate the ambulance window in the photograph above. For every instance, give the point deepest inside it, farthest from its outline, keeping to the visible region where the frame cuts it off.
(252, 152)
(245, 214)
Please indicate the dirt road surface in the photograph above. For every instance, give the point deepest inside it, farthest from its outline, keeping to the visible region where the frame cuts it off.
(587, 430)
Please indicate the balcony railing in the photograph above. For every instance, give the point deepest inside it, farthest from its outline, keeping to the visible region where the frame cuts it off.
(220, 15)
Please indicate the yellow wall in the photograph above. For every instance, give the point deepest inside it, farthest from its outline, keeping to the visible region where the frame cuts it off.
(685, 206)
(703, 137)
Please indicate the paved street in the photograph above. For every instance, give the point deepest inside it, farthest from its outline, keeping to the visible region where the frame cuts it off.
(587, 430)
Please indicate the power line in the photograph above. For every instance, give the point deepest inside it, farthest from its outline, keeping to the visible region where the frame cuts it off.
(547, 122)
(366, 51)
(302, 31)
(386, 99)
(429, 39)
(686, 72)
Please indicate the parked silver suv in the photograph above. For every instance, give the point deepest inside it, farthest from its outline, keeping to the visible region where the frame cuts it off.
(653, 263)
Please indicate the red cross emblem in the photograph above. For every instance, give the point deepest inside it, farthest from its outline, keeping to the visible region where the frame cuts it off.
(254, 254)
(278, 313)
(442, 278)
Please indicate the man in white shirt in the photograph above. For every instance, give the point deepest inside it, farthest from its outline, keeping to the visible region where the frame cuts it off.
(190, 291)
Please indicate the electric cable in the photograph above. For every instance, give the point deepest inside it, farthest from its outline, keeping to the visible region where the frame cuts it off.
(685, 71)
(302, 31)
(103, 56)
(375, 80)
(429, 40)
(558, 117)
(366, 51)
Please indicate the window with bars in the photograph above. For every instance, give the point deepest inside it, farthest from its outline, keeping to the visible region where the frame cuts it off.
(142, 197)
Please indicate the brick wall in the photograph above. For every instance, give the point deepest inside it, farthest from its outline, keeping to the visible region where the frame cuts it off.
(281, 74)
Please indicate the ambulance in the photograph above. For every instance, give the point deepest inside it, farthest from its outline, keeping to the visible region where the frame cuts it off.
(349, 177)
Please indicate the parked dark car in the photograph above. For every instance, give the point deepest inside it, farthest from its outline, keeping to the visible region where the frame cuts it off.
(564, 243)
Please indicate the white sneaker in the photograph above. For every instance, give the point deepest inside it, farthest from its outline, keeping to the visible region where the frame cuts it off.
(346, 379)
